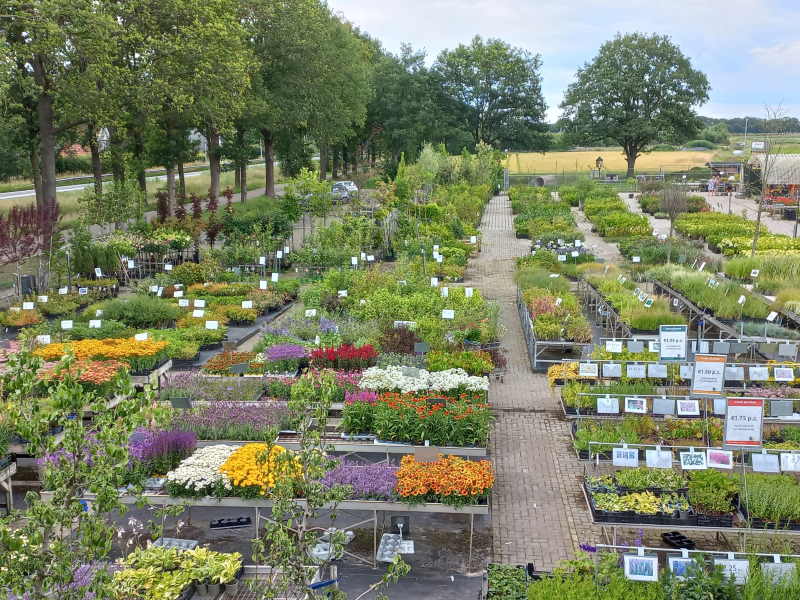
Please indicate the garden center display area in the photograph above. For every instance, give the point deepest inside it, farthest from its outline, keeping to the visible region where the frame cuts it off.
(458, 366)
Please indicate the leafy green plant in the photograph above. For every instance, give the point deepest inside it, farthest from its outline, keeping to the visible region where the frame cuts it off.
(711, 491)
(506, 582)
(141, 311)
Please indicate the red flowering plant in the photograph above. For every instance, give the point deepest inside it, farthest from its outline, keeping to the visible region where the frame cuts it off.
(94, 375)
(344, 357)
(462, 420)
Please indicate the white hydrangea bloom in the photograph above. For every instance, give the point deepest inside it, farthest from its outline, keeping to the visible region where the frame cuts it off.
(407, 380)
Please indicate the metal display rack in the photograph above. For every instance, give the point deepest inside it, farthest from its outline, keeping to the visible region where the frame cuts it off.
(356, 447)
(537, 348)
(601, 311)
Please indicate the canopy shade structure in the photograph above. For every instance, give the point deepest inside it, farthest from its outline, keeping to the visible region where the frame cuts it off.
(779, 169)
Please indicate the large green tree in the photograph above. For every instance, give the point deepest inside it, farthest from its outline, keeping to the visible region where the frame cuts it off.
(638, 88)
(497, 89)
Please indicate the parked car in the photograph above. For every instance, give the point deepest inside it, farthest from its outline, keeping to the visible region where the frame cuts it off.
(351, 186)
(341, 193)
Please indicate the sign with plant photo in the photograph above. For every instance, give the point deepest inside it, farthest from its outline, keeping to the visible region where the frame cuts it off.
(641, 568)
(693, 461)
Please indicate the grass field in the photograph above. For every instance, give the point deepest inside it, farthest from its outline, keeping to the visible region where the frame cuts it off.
(613, 160)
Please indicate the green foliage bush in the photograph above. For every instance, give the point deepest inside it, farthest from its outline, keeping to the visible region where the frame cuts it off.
(141, 312)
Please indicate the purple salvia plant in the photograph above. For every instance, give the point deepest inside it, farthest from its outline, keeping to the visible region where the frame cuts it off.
(232, 420)
(369, 481)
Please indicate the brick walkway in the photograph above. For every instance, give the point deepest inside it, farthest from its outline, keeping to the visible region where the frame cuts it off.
(538, 511)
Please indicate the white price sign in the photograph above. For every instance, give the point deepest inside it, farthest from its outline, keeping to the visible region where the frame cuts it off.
(27, 306)
(262, 260)
(311, 312)
(66, 324)
(448, 314)
(709, 374)
(434, 282)
(468, 292)
(279, 254)
(177, 294)
(42, 339)
(95, 324)
(140, 337)
(672, 342)
(199, 303)
(743, 422)
(587, 370)
(247, 304)
(183, 303)
(98, 272)
(275, 277)
(212, 324)
(262, 285)
(198, 313)
(42, 299)
(342, 293)
(168, 267)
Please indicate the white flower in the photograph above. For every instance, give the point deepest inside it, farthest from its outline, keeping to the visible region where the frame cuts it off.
(202, 469)
(407, 380)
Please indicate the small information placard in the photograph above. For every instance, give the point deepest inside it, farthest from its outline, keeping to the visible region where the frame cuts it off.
(66, 324)
(140, 337)
(212, 324)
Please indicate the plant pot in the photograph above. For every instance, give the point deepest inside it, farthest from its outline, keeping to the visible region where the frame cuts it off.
(231, 589)
(213, 589)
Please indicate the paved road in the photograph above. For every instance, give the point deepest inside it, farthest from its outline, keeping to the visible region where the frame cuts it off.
(81, 186)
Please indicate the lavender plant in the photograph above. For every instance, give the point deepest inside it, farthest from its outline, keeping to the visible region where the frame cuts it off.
(233, 420)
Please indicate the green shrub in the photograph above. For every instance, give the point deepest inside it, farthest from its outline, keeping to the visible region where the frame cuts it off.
(141, 312)
(700, 144)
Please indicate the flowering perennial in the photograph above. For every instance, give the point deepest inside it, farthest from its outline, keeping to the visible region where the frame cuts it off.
(344, 357)
(451, 479)
(200, 472)
(369, 481)
(406, 379)
(258, 465)
(115, 348)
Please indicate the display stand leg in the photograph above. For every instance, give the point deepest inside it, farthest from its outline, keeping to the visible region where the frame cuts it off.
(471, 531)
(374, 539)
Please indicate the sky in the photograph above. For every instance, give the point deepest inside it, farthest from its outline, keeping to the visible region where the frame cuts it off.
(748, 49)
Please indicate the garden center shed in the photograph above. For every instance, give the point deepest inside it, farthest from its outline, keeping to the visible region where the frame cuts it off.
(782, 172)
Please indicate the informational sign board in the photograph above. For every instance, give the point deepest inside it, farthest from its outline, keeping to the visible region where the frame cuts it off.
(709, 374)
(743, 422)
(672, 342)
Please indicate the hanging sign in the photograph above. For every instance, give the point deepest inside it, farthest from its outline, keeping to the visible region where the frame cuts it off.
(27, 306)
(709, 374)
(625, 457)
(614, 346)
(199, 303)
(587, 369)
(743, 422)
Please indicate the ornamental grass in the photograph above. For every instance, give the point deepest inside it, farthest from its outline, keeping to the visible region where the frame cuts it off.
(449, 480)
(254, 469)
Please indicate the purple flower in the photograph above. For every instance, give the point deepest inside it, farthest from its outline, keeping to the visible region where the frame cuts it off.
(587, 548)
(232, 420)
(61, 457)
(327, 325)
(146, 445)
(369, 481)
(285, 352)
(367, 396)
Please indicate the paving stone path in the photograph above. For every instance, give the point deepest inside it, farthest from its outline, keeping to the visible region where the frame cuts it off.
(538, 511)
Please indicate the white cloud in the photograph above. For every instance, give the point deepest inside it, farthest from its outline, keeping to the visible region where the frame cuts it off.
(782, 55)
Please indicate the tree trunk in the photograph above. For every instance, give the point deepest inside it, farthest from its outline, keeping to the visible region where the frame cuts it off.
(335, 166)
(36, 175)
(269, 162)
(355, 159)
(630, 158)
(243, 184)
(323, 161)
(138, 153)
(181, 180)
(213, 161)
(345, 163)
(47, 149)
(237, 177)
(97, 166)
(171, 188)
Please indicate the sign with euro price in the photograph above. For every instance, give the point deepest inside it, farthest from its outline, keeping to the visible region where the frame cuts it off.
(672, 342)
(743, 422)
(709, 374)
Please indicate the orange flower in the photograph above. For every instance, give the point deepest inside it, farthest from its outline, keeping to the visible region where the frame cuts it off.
(448, 476)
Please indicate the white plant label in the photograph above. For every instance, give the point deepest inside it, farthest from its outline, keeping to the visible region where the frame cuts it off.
(42, 299)
(247, 304)
(587, 370)
(66, 324)
(625, 457)
(98, 272)
(27, 306)
(262, 285)
(436, 247)
(95, 324)
(574, 254)
(607, 406)
(62, 291)
(212, 324)
(468, 292)
(742, 299)
(131, 264)
(140, 337)
(790, 461)
(83, 291)
(311, 312)
(754, 273)
(370, 258)
(199, 303)
(636, 259)
(183, 303)
(448, 314)
(772, 316)
(168, 267)
(153, 289)
(275, 277)
(658, 459)
(439, 258)
(363, 256)
(614, 346)
(445, 292)
(434, 282)
(198, 313)
(354, 261)
(42, 339)
(279, 254)
(562, 258)
(342, 293)
(783, 373)
(262, 260)
(286, 249)
(473, 239)
(159, 291)
(178, 293)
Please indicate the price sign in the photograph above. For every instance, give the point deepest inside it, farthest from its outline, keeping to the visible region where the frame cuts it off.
(636, 259)
(772, 316)
(212, 324)
(448, 314)
(42, 299)
(311, 312)
(574, 254)
(42, 339)
(562, 258)
(439, 258)
(66, 324)
(198, 313)
(363, 256)
(95, 324)
(434, 282)
(178, 294)
(275, 277)
(587, 370)
(625, 457)
(672, 342)
(279, 254)
(183, 303)
(709, 374)
(168, 267)
(354, 261)
(444, 292)
(473, 239)
(262, 285)
(614, 346)
(370, 258)
(62, 291)
(247, 304)
(131, 264)
(27, 306)
(262, 260)
(199, 303)
(140, 337)
(286, 249)
(83, 291)
(743, 422)
(436, 247)
(153, 289)
(468, 292)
